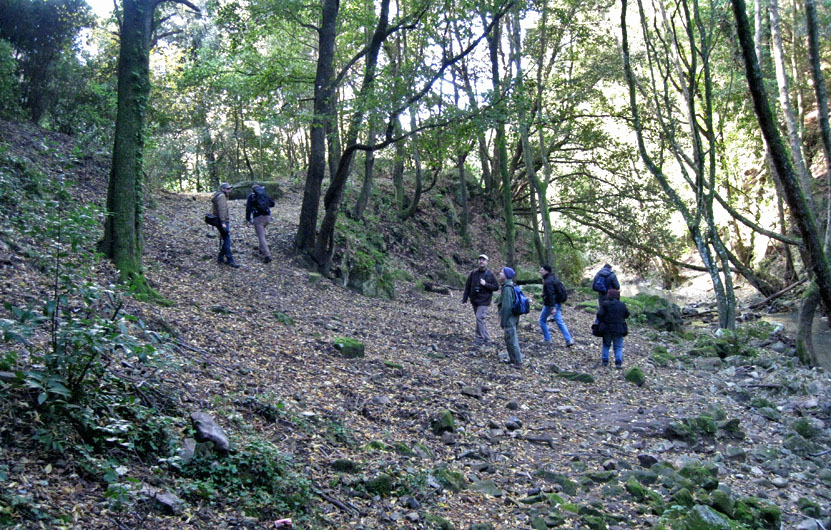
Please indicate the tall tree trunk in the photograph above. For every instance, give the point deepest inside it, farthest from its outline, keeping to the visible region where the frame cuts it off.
(325, 243)
(123, 226)
(369, 164)
(793, 193)
(304, 240)
(412, 207)
(501, 153)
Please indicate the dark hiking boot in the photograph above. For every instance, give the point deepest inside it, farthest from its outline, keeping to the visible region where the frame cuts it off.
(267, 259)
(233, 264)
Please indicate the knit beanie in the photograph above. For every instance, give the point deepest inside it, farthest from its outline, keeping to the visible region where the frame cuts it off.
(508, 272)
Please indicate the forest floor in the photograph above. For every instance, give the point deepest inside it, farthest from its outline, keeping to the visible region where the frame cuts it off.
(263, 334)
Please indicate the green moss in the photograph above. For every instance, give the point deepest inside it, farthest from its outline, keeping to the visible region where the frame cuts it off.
(395, 366)
(346, 466)
(569, 486)
(635, 376)
(682, 497)
(701, 475)
(809, 507)
(452, 480)
(434, 522)
(381, 485)
(443, 422)
(722, 502)
(805, 428)
(349, 348)
(576, 376)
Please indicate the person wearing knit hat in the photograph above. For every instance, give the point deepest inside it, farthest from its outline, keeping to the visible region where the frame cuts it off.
(507, 319)
(553, 296)
(479, 288)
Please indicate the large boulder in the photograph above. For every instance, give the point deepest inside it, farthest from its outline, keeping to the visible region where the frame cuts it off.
(207, 430)
(240, 190)
(659, 312)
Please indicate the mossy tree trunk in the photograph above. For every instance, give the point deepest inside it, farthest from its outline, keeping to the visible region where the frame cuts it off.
(123, 226)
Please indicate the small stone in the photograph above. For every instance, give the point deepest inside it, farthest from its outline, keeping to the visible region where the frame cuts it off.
(188, 449)
(412, 517)
(208, 431)
(647, 460)
(513, 423)
(808, 524)
(472, 391)
(609, 465)
(779, 482)
(736, 453)
(512, 405)
(169, 503)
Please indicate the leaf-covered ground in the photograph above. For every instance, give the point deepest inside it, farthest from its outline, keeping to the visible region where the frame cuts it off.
(254, 348)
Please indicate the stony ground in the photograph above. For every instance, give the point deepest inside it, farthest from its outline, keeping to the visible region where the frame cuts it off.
(263, 334)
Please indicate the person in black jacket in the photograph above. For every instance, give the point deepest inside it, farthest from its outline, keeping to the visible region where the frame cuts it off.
(604, 280)
(611, 317)
(479, 288)
(258, 212)
(552, 298)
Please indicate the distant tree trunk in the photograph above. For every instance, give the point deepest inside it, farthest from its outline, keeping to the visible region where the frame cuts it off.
(465, 216)
(304, 240)
(501, 153)
(412, 206)
(369, 164)
(805, 331)
(210, 159)
(793, 193)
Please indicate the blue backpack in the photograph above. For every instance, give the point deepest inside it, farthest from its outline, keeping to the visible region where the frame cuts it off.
(599, 284)
(521, 305)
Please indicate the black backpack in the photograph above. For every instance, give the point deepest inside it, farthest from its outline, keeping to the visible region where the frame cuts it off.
(560, 293)
(599, 284)
(263, 202)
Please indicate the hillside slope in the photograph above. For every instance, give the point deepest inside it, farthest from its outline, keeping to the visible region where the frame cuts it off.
(254, 348)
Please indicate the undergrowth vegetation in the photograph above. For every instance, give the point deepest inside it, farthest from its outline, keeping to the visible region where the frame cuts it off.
(83, 377)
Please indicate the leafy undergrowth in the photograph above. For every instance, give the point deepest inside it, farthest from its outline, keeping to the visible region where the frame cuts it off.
(421, 431)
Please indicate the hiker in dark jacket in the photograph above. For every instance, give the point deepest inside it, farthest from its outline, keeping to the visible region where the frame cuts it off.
(611, 317)
(552, 303)
(609, 282)
(479, 289)
(258, 212)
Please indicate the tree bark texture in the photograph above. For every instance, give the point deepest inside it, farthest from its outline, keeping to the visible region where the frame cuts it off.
(123, 226)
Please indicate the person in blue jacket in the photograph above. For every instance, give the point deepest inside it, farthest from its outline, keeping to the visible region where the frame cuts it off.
(611, 317)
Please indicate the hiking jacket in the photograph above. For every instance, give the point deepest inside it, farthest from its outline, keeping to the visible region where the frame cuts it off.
(612, 317)
(609, 278)
(220, 206)
(252, 205)
(507, 317)
(480, 294)
(549, 294)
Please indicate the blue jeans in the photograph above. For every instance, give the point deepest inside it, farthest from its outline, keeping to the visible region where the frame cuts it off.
(608, 340)
(558, 318)
(225, 248)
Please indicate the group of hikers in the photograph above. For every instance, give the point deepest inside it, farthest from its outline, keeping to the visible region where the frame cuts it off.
(257, 213)
(610, 323)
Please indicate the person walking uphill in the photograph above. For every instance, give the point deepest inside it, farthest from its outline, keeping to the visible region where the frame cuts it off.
(479, 289)
(553, 296)
(258, 212)
(507, 319)
(220, 209)
(611, 317)
(604, 280)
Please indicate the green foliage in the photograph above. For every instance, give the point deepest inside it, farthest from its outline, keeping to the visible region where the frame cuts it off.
(283, 318)
(661, 356)
(257, 478)
(9, 86)
(635, 376)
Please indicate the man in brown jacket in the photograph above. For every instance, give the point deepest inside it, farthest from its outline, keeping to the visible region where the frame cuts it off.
(220, 209)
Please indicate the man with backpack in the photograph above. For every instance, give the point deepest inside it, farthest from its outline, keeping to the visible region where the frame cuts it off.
(258, 212)
(479, 289)
(604, 280)
(509, 315)
(554, 295)
(219, 201)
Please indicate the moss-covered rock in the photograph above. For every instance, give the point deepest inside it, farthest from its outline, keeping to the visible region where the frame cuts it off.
(569, 487)
(349, 348)
(381, 485)
(442, 422)
(702, 517)
(722, 502)
(661, 357)
(800, 445)
(435, 522)
(809, 507)
(682, 497)
(346, 466)
(704, 476)
(576, 376)
(691, 429)
(452, 480)
(806, 428)
(635, 375)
